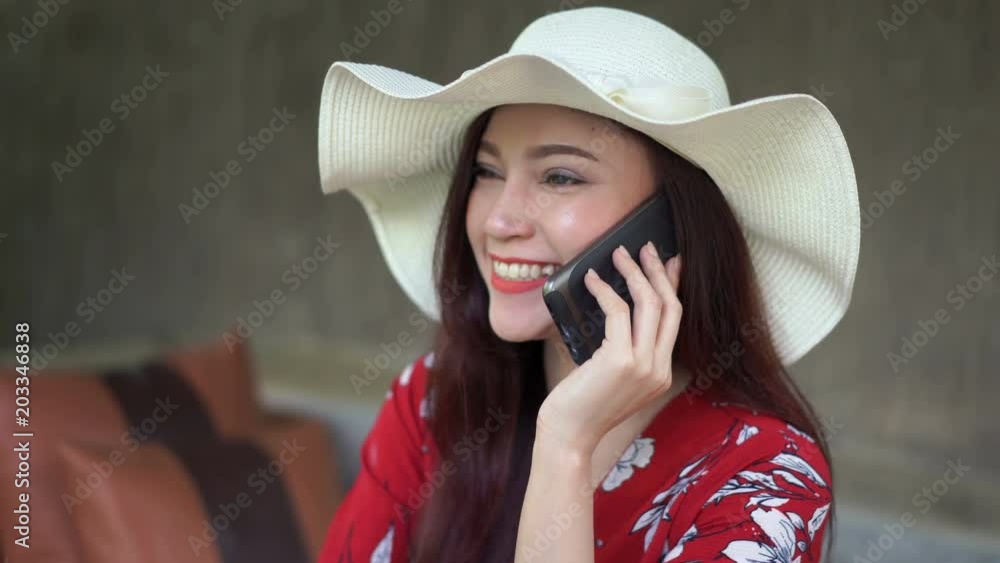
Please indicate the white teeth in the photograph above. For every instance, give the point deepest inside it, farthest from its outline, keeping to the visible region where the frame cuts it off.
(522, 272)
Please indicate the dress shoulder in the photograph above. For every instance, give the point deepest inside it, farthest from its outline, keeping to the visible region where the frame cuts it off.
(408, 390)
(762, 490)
(373, 522)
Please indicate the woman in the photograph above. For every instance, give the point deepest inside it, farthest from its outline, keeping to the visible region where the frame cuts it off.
(682, 438)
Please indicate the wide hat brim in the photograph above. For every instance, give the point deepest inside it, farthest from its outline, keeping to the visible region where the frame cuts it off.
(392, 139)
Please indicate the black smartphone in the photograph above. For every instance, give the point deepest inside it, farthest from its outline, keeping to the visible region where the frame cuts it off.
(575, 311)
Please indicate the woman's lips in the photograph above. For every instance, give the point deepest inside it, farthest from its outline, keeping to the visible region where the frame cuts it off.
(510, 286)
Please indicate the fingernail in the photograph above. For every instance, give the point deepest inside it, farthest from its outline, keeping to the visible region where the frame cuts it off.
(652, 249)
(591, 273)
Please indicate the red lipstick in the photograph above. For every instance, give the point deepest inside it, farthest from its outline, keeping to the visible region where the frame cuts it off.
(510, 286)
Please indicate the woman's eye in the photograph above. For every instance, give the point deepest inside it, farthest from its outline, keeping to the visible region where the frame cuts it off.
(554, 178)
(560, 179)
(479, 170)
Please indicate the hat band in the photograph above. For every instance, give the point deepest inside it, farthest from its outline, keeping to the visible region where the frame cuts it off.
(664, 101)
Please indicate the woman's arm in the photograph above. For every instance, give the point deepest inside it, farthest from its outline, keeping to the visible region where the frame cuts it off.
(557, 517)
(632, 367)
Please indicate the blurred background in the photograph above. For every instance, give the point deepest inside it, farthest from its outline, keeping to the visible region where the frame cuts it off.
(122, 241)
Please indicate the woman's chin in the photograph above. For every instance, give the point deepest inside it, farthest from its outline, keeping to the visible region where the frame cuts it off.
(512, 327)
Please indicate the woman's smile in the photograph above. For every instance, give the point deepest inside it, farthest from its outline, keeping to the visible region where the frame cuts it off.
(517, 275)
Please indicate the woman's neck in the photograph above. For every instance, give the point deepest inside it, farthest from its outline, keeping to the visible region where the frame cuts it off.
(558, 363)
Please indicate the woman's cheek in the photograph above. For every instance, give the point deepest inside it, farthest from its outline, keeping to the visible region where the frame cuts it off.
(571, 230)
(475, 215)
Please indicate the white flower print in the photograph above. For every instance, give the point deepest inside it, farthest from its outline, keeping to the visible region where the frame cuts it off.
(426, 405)
(429, 359)
(405, 378)
(800, 433)
(763, 479)
(746, 433)
(665, 500)
(779, 529)
(795, 518)
(767, 509)
(789, 477)
(637, 454)
(796, 463)
(746, 482)
(388, 394)
(423, 407)
(751, 481)
(767, 499)
(817, 519)
(679, 548)
(383, 551)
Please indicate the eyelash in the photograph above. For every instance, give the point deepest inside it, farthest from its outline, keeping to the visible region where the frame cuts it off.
(478, 170)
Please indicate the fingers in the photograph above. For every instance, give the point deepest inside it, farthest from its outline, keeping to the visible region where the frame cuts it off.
(665, 279)
(647, 308)
(617, 324)
(648, 337)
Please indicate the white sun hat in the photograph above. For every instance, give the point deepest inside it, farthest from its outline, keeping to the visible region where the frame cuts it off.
(392, 139)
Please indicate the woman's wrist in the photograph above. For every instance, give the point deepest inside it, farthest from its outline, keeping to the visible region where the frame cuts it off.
(561, 438)
(571, 453)
(559, 492)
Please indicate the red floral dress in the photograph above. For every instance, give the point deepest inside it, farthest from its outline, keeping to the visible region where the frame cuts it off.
(705, 481)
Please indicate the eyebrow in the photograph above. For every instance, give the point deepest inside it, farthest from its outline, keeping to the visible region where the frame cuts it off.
(540, 151)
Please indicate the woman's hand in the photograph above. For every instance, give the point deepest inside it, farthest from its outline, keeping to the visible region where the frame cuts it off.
(634, 362)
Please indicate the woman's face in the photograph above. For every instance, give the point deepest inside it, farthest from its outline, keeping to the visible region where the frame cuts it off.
(549, 181)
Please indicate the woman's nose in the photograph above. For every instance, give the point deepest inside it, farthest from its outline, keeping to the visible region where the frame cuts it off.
(508, 217)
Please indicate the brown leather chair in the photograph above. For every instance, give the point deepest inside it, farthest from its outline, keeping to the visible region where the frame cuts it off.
(182, 397)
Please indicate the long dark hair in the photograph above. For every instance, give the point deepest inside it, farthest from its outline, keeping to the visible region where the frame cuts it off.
(474, 514)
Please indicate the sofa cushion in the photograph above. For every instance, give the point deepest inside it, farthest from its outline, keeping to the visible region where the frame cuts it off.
(84, 405)
(269, 497)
